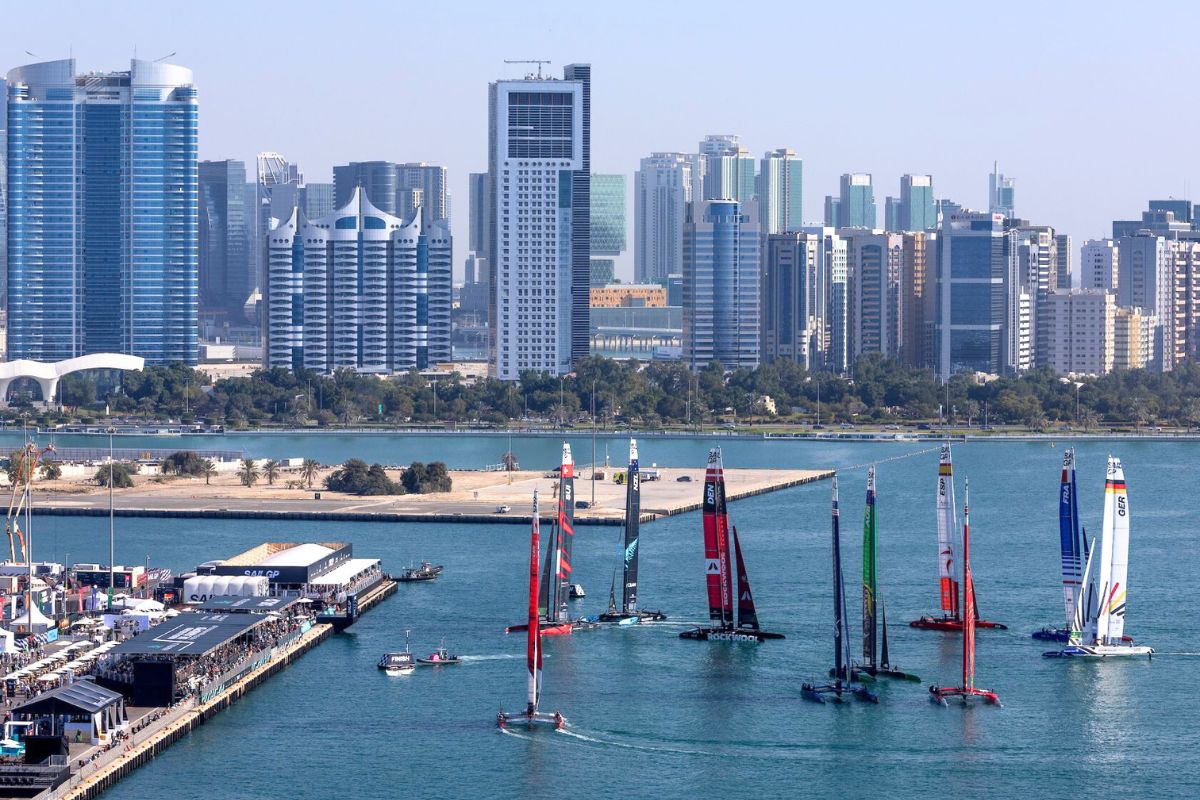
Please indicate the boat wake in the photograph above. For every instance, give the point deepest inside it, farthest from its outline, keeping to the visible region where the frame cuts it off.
(494, 657)
(511, 732)
(645, 748)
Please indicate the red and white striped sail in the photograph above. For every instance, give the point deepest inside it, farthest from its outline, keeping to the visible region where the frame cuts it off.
(534, 649)
(968, 596)
(947, 526)
(718, 571)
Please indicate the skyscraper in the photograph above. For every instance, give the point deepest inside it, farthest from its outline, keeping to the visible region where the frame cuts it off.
(857, 206)
(793, 301)
(662, 188)
(780, 192)
(728, 169)
(721, 285)
(1033, 254)
(1066, 256)
(225, 278)
(1000, 193)
(891, 214)
(916, 298)
(359, 289)
(395, 189)
(276, 192)
(1078, 331)
(833, 211)
(102, 193)
(1098, 264)
(3, 203)
(608, 226)
(1145, 280)
(972, 306)
(917, 211)
(540, 260)
(317, 200)
(874, 266)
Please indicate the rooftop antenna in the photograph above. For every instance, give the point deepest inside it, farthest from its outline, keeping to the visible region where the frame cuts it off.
(163, 58)
(539, 62)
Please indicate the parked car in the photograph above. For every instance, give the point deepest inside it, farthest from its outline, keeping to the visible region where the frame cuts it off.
(503, 509)
(582, 504)
(684, 479)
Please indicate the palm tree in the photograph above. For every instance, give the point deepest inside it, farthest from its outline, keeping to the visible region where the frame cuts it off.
(308, 471)
(271, 471)
(208, 469)
(248, 472)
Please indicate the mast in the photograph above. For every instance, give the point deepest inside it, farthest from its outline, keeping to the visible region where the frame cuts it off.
(884, 661)
(968, 665)
(633, 511)
(1069, 537)
(838, 665)
(534, 639)
(716, 542)
(747, 616)
(566, 528)
(869, 574)
(1114, 557)
(946, 524)
(1081, 617)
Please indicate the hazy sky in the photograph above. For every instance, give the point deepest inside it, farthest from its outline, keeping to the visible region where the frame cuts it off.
(1089, 106)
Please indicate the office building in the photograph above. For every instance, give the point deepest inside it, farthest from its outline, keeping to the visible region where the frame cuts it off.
(1098, 264)
(873, 267)
(359, 290)
(856, 208)
(916, 299)
(1184, 256)
(793, 301)
(317, 200)
(396, 189)
(629, 295)
(830, 314)
(1001, 194)
(3, 203)
(917, 209)
(721, 285)
(1145, 280)
(276, 192)
(102, 212)
(891, 213)
(225, 279)
(1033, 255)
(833, 211)
(1170, 219)
(1066, 256)
(978, 327)
(728, 169)
(662, 189)
(780, 192)
(608, 226)
(540, 179)
(1134, 335)
(1077, 331)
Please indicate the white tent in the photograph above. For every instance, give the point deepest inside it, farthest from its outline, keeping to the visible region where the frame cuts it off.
(40, 622)
(6, 642)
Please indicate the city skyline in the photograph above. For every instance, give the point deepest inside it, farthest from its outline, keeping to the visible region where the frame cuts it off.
(1107, 166)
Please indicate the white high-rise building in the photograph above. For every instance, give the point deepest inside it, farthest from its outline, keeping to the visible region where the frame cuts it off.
(780, 192)
(662, 188)
(540, 210)
(1077, 331)
(1098, 264)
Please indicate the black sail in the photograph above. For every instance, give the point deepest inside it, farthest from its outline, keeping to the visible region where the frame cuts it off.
(633, 511)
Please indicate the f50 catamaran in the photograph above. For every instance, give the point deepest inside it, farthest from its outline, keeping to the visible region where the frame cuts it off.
(531, 716)
(726, 572)
(874, 616)
(947, 523)
(1073, 543)
(843, 675)
(628, 613)
(1098, 617)
(940, 694)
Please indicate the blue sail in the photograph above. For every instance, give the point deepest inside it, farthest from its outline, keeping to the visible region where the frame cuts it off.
(1070, 538)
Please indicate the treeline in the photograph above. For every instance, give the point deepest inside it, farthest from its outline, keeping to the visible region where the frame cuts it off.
(355, 477)
(647, 395)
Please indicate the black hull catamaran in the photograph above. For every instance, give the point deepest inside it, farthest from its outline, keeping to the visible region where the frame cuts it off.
(531, 716)
(628, 613)
(733, 621)
(843, 686)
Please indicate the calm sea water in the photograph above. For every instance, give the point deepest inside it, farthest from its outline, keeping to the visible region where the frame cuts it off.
(652, 715)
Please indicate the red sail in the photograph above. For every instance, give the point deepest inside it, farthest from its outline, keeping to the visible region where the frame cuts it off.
(535, 632)
(968, 599)
(716, 554)
(747, 617)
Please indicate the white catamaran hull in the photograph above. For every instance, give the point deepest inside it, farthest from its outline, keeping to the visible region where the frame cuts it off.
(1106, 651)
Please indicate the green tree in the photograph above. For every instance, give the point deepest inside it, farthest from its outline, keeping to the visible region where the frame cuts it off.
(248, 472)
(122, 475)
(208, 470)
(270, 471)
(51, 470)
(308, 471)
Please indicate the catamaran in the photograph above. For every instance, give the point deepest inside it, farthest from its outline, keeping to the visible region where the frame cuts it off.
(947, 522)
(556, 577)
(940, 694)
(875, 658)
(843, 675)
(733, 622)
(628, 613)
(1098, 616)
(531, 716)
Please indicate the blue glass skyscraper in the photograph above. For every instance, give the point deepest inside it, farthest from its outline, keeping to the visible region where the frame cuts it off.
(103, 193)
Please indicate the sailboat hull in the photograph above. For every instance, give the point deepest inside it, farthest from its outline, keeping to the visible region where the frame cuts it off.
(888, 672)
(943, 694)
(1102, 651)
(1063, 635)
(945, 624)
(631, 617)
(729, 635)
(530, 720)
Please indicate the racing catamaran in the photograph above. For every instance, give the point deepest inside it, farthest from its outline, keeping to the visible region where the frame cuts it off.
(842, 673)
(627, 613)
(939, 694)
(875, 660)
(1098, 616)
(947, 523)
(725, 569)
(531, 716)
(1074, 549)
(556, 576)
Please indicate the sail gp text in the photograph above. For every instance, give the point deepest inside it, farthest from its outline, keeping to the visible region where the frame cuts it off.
(269, 573)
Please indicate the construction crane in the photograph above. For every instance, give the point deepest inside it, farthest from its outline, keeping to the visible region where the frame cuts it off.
(539, 62)
(30, 458)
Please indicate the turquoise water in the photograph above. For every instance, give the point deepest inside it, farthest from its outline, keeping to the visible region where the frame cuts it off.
(651, 715)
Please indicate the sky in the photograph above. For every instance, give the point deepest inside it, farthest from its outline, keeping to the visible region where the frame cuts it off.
(1088, 106)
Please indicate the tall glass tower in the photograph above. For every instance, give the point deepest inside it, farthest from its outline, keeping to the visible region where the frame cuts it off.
(103, 194)
(608, 225)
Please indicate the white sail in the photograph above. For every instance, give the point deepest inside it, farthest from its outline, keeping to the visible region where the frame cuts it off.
(1114, 557)
(1081, 616)
(947, 526)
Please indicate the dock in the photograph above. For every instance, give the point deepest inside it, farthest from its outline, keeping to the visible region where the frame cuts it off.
(477, 497)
